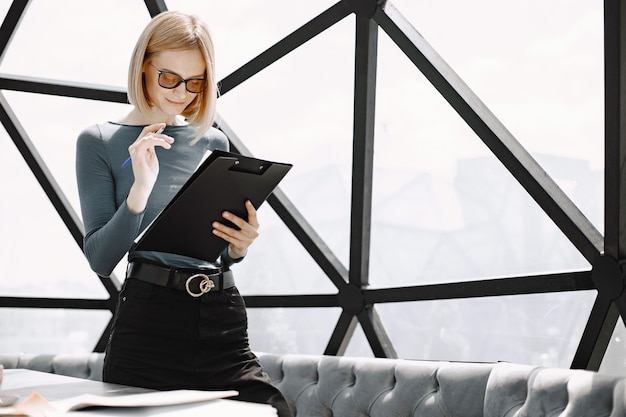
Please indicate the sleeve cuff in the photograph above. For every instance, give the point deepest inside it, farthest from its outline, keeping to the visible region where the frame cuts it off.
(227, 260)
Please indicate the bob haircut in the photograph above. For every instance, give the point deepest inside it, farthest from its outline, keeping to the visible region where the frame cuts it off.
(175, 31)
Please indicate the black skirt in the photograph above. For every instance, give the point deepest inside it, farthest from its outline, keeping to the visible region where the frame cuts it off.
(164, 339)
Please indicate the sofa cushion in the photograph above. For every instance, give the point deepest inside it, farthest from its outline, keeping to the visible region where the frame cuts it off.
(522, 390)
(88, 366)
(337, 386)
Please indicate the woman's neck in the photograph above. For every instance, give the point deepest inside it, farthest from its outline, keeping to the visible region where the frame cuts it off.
(135, 117)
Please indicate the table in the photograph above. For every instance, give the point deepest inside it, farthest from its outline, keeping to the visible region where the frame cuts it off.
(53, 387)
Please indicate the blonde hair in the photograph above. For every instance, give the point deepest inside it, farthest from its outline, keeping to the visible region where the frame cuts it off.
(175, 31)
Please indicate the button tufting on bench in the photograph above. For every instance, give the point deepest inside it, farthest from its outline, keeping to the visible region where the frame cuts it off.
(367, 387)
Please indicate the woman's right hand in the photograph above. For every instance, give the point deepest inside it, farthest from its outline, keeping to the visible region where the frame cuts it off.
(145, 165)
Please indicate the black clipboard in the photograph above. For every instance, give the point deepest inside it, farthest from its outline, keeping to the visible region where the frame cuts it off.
(224, 181)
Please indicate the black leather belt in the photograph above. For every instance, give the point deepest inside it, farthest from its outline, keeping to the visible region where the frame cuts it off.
(195, 282)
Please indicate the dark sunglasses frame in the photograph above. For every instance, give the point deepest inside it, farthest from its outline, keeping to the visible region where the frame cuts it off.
(180, 80)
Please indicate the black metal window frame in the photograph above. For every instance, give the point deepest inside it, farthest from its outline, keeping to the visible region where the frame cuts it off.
(605, 253)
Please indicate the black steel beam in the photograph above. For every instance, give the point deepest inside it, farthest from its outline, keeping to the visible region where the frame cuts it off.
(62, 88)
(340, 338)
(519, 162)
(376, 334)
(297, 38)
(300, 301)
(297, 224)
(155, 6)
(596, 336)
(112, 285)
(363, 7)
(533, 284)
(63, 207)
(69, 303)
(608, 276)
(104, 337)
(38, 167)
(10, 24)
(554, 202)
(308, 237)
(538, 284)
(615, 133)
(366, 51)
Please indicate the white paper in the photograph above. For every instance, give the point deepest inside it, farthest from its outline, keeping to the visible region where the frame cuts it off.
(37, 406)
(157, 398)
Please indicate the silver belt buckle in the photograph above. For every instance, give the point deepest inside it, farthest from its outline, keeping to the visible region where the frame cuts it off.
(205, 285)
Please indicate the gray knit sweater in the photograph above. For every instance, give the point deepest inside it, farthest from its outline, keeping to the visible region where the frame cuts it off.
(103, 184)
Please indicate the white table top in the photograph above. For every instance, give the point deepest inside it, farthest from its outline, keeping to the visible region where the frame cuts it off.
(22, 382)
(53, 387)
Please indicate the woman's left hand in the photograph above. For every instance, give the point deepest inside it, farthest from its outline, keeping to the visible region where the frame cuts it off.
(239, 240)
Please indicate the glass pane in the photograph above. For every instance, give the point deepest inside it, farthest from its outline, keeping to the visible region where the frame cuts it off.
(444, 208)
(284, 330)
(4, 8)
(39, 256)
(54, 135)
(242, 30)
(542, 75)
(76, 40)
(539, 329)
(50, 330)
(45, 119)
(358, 345)
(278, 264)
(614, 361)
(300, 111)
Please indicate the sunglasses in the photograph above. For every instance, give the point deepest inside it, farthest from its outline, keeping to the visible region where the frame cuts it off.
(170, 80)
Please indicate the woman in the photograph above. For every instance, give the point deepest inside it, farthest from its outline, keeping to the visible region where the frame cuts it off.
(163, 336)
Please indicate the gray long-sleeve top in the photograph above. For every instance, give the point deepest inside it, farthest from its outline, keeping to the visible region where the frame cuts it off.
(103, 184)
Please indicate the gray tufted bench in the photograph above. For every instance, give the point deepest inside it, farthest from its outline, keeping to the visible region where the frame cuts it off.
(317, 386)
(87, 366)
(361, 387)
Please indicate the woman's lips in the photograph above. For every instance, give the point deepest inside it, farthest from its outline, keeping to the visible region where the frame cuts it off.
(176, 103)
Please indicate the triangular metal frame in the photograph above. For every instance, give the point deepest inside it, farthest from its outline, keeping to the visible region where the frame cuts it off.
(606, 254)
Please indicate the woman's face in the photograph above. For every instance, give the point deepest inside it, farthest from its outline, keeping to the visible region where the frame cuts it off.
(187, 65)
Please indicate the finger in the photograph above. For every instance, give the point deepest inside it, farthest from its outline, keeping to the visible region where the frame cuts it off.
(162, 140)
(151, 131)
(220, 232)
(151, 139)
(237, 248)
(232, 236)
(249, 228)
(236, 220)
(252, 217)
(241, 223)
(148, 142)
(231, 231)
(245, 233)
(154, 128)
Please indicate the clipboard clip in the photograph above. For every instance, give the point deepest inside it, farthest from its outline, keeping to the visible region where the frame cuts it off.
(250, 166)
